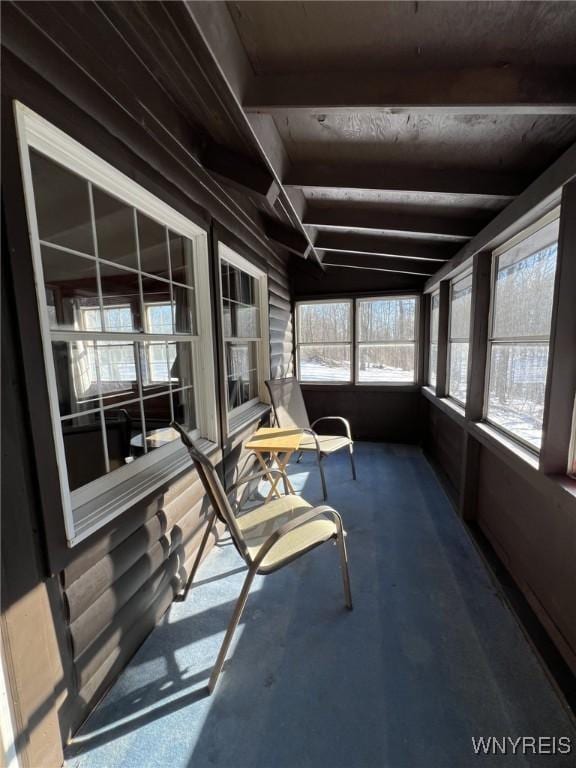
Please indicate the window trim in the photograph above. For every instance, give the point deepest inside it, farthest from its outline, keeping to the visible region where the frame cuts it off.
(433, 385)
(236, 417)
(468, 273)
(491, 340)
(153, 469)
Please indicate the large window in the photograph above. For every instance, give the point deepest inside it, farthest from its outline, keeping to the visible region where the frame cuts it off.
(522, 295)
(381, 351)
(459, 337)
(386, 340)
(120, 278)
(433, 346)
(324, 334)
(245, 323)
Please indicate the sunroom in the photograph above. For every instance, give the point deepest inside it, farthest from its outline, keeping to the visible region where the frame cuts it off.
(330, 247)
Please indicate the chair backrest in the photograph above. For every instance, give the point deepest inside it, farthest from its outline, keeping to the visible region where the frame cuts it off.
(214, 490)
(288, 403)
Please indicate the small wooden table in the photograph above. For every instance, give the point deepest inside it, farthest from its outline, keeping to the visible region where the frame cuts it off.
(275, 441)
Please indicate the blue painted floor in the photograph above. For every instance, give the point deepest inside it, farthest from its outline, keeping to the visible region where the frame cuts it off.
(430, 657)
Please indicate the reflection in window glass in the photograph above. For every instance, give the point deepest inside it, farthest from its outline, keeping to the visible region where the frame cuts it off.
(386, 340)
(71, 289)
(84, 449)
(521, 317)
(157, 417)
(242, 372)
(77, 380)
(62, 205)
(153, 246)
(181, 259)
(114, 230)
(459, 338)
(120, 298)
(184, 408)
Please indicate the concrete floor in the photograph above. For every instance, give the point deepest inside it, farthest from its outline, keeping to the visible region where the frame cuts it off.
(430, 657)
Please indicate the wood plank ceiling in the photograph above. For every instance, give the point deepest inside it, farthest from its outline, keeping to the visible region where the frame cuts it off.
(398, 130)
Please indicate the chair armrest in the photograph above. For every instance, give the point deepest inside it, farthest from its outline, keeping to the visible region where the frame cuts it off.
(307, 517)
(336, 418)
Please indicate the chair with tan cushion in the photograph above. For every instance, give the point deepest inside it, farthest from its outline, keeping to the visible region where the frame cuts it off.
(267, 538)
(290, 411)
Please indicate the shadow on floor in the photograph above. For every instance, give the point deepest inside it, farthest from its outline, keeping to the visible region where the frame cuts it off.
(430, 657)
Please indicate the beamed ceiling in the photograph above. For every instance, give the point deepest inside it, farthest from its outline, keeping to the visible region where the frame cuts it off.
(395, 131)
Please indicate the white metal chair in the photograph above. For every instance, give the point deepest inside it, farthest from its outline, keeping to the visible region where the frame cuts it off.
(267, 538)
(290, 411)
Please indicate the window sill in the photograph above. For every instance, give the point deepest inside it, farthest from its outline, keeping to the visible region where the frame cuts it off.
(101, 509)
(240, 421)
(369, 386)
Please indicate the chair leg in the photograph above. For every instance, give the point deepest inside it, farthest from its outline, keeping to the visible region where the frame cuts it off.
(351, 449)
(299, 459)
(321, 469)
(240, 604)
(210, 525)
(345, 572)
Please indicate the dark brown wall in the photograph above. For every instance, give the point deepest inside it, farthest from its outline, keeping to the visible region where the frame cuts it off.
(101, 598)
(530, 524)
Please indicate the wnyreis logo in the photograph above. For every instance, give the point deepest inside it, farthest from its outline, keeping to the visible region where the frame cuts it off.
(522, 745)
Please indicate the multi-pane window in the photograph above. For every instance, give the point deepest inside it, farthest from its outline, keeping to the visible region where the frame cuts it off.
(243, 290)
(118, 276)
(324, 341)
(459, 337)
(383, 345)
(433, 347)
(520, 331)
(386, 340)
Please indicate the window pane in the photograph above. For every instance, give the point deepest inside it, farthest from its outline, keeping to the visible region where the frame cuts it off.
(114, 229)
(76, 376)
(117, 370)
(154, 366)
(180, 362)
(386, 362)
(242, 371)
(157, 306)
(120, 298)
(517, 385)
(84, 449)
(247, 321)
(71, 289)
(386, 320)
(460, 307)
(62, 205)
(122, 425)
(157, 417)
(432, 363)
(458, 373)
(525, 287)
(153, 247)
(330, 362)
(181, 255)
(184, 410)
(324, 321)
(184, 310)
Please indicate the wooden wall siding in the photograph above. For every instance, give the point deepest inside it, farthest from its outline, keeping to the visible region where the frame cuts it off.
(517, 530)
(444, 442)
(107, 594)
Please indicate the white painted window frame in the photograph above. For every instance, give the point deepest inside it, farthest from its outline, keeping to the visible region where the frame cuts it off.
(90, 507)
(236, 417)
(457, 340)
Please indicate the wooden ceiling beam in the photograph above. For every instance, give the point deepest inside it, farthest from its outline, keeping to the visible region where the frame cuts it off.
(379, 264)
(417, 225)
(391, 247)
(288, 237)
(503, 90)
(241, 172)
(435, 181)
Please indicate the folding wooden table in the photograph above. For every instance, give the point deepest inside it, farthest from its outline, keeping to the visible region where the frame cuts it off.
(280, 444)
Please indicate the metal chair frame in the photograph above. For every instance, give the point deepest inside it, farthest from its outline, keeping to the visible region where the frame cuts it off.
(222, 509)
